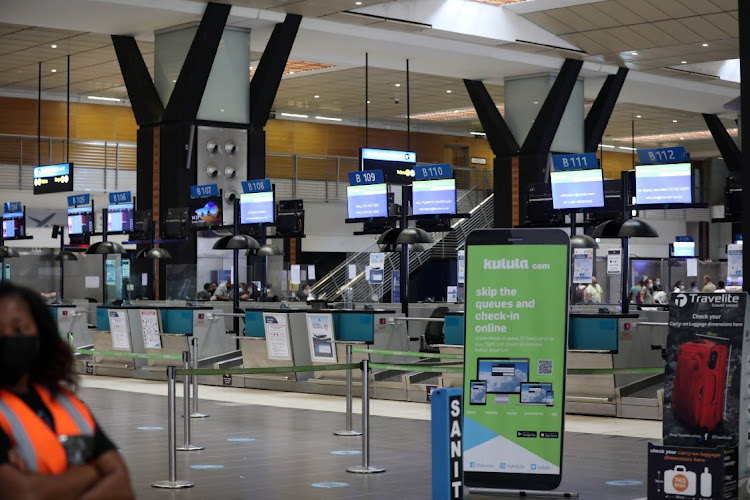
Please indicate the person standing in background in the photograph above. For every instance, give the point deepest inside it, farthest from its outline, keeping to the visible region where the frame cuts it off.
(708, 286)
(694, 287)
(721, 288)
(593, 292)
(679, 286)
(635, 292)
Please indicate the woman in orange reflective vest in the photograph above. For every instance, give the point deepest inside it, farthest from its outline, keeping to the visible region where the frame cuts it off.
(50, 444)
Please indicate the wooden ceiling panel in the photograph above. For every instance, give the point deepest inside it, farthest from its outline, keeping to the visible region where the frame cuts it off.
(566, 16)
(595, 16)
(674, 8)
(549, 23)
(678, 31)
(620, 12)
(658, 37)
(701, 7)
(726, 5)
(645, 9)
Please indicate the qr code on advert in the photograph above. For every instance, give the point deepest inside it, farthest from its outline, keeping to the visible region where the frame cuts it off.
(544, 367)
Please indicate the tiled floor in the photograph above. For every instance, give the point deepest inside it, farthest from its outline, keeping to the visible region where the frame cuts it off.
(292, 446)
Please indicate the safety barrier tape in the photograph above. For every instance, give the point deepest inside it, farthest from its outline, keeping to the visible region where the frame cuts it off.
(436, 368)
(409, 353)
(127, 354)
(271, 369)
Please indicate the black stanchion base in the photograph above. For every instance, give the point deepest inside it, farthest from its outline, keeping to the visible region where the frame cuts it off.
(347, 433)
(190, 447)
(359, 469)
(172, 485)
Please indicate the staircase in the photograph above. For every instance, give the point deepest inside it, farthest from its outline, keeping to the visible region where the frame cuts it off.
(445, 244)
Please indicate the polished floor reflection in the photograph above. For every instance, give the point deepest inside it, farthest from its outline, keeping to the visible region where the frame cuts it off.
(256, 450)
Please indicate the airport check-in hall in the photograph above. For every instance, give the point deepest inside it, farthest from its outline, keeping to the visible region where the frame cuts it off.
(414, 249)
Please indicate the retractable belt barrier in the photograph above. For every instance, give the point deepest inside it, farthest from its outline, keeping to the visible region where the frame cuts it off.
(614, 371)
(120, 354)
(409, 353)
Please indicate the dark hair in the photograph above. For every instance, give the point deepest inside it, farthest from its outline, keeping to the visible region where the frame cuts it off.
(692, 284)
(54, 367)
(206, 286)
(721, 284)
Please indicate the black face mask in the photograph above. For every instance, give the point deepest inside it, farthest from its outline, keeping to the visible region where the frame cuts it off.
(17, 356)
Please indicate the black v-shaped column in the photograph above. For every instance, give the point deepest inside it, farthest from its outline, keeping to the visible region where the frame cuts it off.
(601, 111)
(727, 147)
(263, 88)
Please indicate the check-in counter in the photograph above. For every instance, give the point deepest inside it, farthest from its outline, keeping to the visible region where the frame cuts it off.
(154, 330)
(72, 320)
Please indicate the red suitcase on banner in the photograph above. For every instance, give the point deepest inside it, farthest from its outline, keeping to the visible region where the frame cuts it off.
(699, 383)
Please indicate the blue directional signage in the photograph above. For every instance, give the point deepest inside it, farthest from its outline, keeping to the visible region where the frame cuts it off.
(654, 156)
(437, 171)
(256, 186)
(204, 191)
(684, 239)
(53, 178)
(582, 161)
(120, 197)
(366, 177)
(12, 207)
(79, 199)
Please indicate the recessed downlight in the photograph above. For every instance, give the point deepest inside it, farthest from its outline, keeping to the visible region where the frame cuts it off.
(674, 121)
(53, 70)
(449, 91)
(683, 62)
(316, 96)
(54, 46)
(637, 116)
(396, 84)
(634, 53)
(704, 45)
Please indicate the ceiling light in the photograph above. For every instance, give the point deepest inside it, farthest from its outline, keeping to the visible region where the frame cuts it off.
(357, 3)
(291, 72)
(448, 91)
(455, 111)
(293, 115)
(328, 118)
(608, 146)
(536, 102)
(174, 81)
(683, 62)
(316, 96)
(53, 46)
(53, 70)
(98, 98)
(705, 45)
(251, 68)
(634, 53)
(478, 133)
(674, 121)
(682, 138)
(628, 148)
(368, 102)
(396, 84)
(637, 116)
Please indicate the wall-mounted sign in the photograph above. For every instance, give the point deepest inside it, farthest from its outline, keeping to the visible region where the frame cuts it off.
(437, 171)
(204, 191)
(366, 177)
(256, 186)
(475, 160)
(575, 162)
(675, 154)
(120, 197)
(79, 199)
(53, 178)
(614, 261)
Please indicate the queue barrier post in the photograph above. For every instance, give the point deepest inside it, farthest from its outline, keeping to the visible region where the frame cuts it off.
(195, 413)
(365, 468)
(348, 431)
(172, 483)
(186, 446)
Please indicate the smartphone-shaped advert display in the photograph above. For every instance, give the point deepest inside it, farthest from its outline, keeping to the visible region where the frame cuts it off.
(516, 336)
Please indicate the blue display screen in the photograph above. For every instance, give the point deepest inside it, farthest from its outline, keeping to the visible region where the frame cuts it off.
(256, 208)
(120, 218)
(659, 184)
(434, 197)
(367, 201)
(573, 189)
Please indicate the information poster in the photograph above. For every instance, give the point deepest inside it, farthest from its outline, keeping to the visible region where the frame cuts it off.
(320, 330)
(295, 274)
(126, 270)
(377, 260)
(514, 377)
(119, 329)
(614, 261)
(150, 328)
(111, 272)
(734, 263)
(461, 267)
(583, 265)
(278, 343)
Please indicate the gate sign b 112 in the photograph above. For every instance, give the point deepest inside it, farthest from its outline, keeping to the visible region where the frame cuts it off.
(654, 156)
